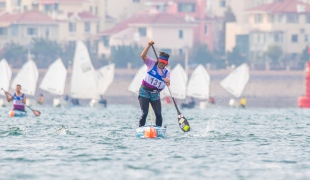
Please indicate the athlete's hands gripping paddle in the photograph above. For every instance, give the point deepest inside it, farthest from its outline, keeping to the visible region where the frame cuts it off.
(35, 112)
(183, 123)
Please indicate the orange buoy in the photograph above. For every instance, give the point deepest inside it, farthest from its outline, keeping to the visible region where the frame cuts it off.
(304, 101)
(150, 132)
(11, 113)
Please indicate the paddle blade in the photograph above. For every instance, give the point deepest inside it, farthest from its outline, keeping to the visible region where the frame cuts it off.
(183, 123)
(36, 112)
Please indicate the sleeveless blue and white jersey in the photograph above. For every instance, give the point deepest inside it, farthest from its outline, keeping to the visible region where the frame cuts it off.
(153, 80)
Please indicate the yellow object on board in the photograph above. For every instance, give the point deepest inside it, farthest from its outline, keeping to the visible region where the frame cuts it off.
(243, 102)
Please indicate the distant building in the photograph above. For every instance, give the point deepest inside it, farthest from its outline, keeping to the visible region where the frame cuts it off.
(22, 27)
(285, 23)
(2, 11)
(75, 19)
(207, 29)
(109, 11)
(123, 9)
(217, 8)
(11, 5)
(172, 33)
(79, 26)
(174, 24)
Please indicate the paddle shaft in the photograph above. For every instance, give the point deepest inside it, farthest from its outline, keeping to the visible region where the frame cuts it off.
(12, 96)
(175, 104)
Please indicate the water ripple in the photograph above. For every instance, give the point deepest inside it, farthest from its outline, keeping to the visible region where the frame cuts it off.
(88, 143)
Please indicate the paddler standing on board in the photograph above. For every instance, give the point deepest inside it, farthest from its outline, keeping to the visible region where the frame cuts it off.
(154, 82)
(19, 99)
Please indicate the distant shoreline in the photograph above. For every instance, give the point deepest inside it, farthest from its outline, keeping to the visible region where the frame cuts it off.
(211, 71)
(265, 88)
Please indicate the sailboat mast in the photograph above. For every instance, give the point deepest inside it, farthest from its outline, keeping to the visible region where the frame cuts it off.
(209, 87)
(29, 55)
(186, 61)
(67, 79)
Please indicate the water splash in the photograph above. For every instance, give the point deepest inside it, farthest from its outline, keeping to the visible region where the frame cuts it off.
(62, 131)
(209, 127)
(17, 130)
(115, 134)
(4, 133)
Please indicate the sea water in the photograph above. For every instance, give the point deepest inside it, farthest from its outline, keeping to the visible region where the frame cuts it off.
(99, 143)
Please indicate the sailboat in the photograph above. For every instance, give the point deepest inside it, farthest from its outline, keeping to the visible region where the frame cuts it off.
(5, 79)
(84, 75)
(105, 77)
(54, 80)
(137, 80)
(199, 85)
(27, 77)
(178, 81)
(236, 81)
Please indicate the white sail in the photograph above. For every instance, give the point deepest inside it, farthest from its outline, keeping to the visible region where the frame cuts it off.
(199, 84)
(54, 80)
(84, 76)
(236, 81)
(137, 80)
(184, 74)
(178, 81)
(105, 78)
(5, 75)
(27, 77)
(164, 93)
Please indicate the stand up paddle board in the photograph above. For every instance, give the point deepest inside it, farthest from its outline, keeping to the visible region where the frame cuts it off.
(17, 113)
(151, 132)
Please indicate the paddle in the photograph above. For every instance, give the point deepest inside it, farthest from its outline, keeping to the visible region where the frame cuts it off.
(183, 123)
(35, 112)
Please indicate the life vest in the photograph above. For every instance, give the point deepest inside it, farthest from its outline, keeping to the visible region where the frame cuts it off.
(153, 80)
(18, 102)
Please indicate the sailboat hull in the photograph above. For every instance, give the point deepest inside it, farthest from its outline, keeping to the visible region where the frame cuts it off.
(31, 102)
(3, 103)
(58, 102)
(95, 103)
(233, 103)
(203, 105)
(187, 105)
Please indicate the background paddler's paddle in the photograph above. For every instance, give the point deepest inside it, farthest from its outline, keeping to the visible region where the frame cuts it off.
(183, 123)
(35, 112)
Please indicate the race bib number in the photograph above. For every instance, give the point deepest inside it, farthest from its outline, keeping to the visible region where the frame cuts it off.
(18, 102)
(155, 82)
